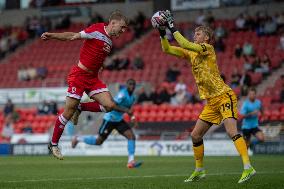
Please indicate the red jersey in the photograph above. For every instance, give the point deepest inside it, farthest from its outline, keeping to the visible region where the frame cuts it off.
(96, 47)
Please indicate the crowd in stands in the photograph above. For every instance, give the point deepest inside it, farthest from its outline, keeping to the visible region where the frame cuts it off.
(10, 39)
(46, 108)
(32, 73)
(121, 62)
(12, 117)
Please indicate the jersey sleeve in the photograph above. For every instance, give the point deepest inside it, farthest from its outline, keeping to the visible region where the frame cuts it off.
(173, 50)
(202, 48)
(88, 33)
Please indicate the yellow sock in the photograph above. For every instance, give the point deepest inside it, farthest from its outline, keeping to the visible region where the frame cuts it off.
(242, 148)
(198, 149)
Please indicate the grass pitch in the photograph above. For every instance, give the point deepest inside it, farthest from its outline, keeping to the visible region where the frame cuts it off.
(156, 173)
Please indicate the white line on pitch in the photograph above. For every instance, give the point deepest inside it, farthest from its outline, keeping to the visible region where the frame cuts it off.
(129, 177)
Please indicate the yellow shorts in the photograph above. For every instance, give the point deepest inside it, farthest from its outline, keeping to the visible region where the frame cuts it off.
(219, 108)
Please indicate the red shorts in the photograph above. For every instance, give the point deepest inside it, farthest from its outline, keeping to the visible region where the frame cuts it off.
(80, 81)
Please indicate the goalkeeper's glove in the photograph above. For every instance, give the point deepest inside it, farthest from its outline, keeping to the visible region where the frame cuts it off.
(167, 15)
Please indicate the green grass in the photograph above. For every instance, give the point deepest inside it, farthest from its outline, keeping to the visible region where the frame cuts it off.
(156, 173)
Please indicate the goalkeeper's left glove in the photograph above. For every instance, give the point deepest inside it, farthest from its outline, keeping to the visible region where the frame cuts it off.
(167, 15)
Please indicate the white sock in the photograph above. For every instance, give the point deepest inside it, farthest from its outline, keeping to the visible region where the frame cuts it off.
(247, 166)
(199, 169)
(130, 158)
(80, 139)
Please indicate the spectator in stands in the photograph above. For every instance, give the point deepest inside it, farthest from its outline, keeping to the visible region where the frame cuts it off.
(53, 107)
(200, 19)
(279, 18)
(248, 49)
(265, 63)
(96, 18)
(142, 96)
(8, 108)
(4, 43)
(27, 128)
(32, 26)
(109, 64)
(8, 129)
(209, 19)
(240, 22)
(256, 67)
(247, 64)
(282, 89)
(219, 45)
(238, 50)
(235, 78)
(270, 26)
(123, 62)
(41, 72)
(249, 22)
(172, 73)
(245, 82)
(260, 30)
(138, 62)
(138, 24)
(181, 95)
(32, 74)
(161, 95)
(282, 41)
(13, 40)
(43, 108)
(23, 74)
(64, 23)
(220, 31)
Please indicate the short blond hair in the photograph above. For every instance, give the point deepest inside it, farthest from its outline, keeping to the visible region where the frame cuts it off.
(208, 31)
(117, 15)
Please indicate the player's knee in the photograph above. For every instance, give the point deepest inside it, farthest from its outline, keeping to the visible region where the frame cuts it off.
(195, 136)
(68, 112)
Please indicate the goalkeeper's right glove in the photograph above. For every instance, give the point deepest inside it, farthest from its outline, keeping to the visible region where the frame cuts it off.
(167, 15)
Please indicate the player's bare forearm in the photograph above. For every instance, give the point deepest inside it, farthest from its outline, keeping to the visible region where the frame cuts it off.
(172, 50)
(184, 43)
(122, 109)
(65, 36)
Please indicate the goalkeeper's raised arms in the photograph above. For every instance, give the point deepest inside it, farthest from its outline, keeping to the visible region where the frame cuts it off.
(184, 43)
(172, 50)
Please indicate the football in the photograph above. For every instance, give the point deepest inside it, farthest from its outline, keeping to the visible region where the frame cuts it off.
(158, 21)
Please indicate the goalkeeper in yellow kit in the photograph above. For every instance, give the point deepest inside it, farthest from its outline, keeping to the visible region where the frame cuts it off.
(221, 103)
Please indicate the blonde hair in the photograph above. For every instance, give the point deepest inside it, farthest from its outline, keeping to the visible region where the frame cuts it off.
(117, 15)
(208, 31)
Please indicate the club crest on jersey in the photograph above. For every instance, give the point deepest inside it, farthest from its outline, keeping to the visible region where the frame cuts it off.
(107, 48)
(73, 89)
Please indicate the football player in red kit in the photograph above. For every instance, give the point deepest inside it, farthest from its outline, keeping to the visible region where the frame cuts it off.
(83, 77)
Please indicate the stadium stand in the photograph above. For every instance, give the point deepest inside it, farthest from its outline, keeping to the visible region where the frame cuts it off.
(59, 57)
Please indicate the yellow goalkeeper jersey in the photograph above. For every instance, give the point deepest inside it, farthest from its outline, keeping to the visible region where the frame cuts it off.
(203, 62)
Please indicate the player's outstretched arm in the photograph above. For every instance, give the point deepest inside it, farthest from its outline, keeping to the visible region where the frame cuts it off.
(167, 48)
(65, 36)
(182, 41)
(123, 109)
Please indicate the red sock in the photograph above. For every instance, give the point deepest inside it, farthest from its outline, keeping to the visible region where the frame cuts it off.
(91, 107)
(58, 129)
